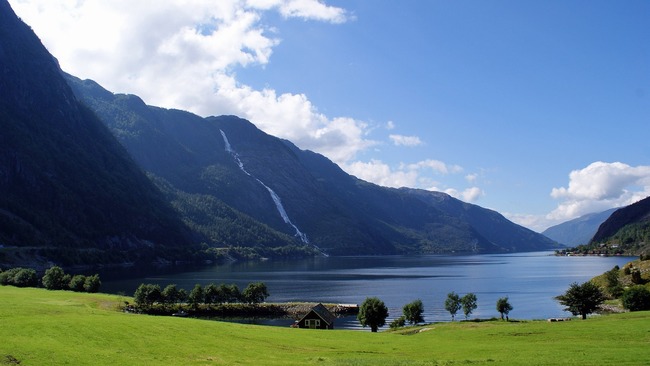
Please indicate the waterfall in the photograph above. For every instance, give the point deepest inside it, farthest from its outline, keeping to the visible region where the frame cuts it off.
(274, 196)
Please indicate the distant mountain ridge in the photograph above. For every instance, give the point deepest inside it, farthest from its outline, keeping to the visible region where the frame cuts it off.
(340, 214)
(579, 230)
(69, 191)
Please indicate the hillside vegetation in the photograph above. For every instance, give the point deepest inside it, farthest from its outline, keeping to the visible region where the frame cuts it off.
(55, 328)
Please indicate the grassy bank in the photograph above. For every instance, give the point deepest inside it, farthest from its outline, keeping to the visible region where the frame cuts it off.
(40, 327)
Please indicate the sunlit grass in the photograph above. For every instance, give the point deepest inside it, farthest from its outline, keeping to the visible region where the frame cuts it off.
(40, 327)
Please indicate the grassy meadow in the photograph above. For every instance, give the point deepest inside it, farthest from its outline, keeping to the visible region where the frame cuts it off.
(40, 327)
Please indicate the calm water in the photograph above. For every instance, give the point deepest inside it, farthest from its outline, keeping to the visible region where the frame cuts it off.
(530, 280)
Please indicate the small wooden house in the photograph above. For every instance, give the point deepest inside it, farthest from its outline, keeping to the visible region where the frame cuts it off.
(317, 318)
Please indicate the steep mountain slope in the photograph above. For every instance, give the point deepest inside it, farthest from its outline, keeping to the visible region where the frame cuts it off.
(628, 228)
(69, 191)
(298, 193)
(578, 231)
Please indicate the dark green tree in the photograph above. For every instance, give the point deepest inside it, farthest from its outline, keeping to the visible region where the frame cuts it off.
(613, 282)
(255, 293)
(233, 293)
(182, 295)
(413, 312)
(211, 294)
(373, 313)
(581, 299)
(636, 298)
(146, 295)
(197, 296)
(452, 304)
(19, 277)
(170, 294)
(469, 304)
(92, 283)
(504, 307)
(77, 283)
(55, 279)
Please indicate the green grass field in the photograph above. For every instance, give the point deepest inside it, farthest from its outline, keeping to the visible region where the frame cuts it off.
(40, 327)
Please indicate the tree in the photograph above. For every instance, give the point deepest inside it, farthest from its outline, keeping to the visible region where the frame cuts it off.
(503, 306)
(413, 312)
(170, 294)
(452, 304)
(581, 299)
(373, 313)
(233, 293)
(469, 304)
(197, 296)
(636, 298)
(613, 282)
(255, 293)
(55, 279)
(77, 283)
(146, 295)
(93, 283)
(19, 277)
(211, 294)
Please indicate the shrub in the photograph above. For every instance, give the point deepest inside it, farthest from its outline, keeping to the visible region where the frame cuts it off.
(77, 283)
(397, 323)
(55, 279)
(636, 298)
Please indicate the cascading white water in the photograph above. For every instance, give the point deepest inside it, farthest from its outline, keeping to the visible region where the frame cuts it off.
(274, 196)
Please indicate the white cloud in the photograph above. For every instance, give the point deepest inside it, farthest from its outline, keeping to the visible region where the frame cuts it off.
(471, 194)
(183, 54)
(471, 178)
(416, 175)
(435, 165)
(595, 188)
(601, 186)
(400, 140)
(378, 172)
(390, 125)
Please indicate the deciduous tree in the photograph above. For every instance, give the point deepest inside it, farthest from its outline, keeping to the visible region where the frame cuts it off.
(452, 304)
(373, 313)
(413, 312)
(55, 279)
(469, 304)
(255, 293)
(503, 306)
(582, 299)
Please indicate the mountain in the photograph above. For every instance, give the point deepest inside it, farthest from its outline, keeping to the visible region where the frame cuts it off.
(578, 231)
(628, 228)
(299, 196)
(70, 193)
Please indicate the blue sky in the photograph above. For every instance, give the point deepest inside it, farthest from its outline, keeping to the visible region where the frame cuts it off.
(537, 109)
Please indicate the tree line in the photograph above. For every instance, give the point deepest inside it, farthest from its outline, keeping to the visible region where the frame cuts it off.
(373, 312)
(147, 296)
(53, 279)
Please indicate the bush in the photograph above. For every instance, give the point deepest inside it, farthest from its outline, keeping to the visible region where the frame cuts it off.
(77, 283)
(92, 283)
(19, 277)
(398, 323)
(55, 279)
(636, 298)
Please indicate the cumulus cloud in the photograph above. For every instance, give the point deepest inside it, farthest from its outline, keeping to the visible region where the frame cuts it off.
(600, 186)
(471, 194)
(184, 54)
(401, 140)
(416, 175)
